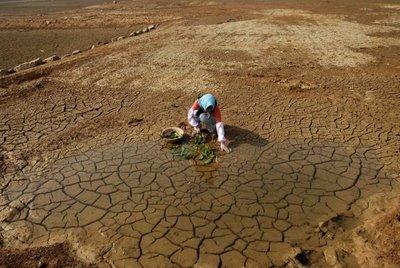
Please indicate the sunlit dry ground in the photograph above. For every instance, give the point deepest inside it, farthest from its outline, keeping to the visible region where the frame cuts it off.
(309, 94)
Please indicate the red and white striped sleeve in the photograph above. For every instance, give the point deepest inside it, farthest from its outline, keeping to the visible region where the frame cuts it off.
(219, 125)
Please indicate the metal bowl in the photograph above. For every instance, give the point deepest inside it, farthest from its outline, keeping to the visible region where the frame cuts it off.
(165, 134)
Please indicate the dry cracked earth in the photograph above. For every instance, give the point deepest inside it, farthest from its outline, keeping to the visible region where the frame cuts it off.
(309, 95)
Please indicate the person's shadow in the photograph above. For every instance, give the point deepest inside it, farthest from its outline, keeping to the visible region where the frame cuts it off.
(237, 136)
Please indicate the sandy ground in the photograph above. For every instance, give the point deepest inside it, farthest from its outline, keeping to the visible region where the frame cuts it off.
(309, 93)
(37, 29)
(57, 255)
(24, 7)
(45, 43)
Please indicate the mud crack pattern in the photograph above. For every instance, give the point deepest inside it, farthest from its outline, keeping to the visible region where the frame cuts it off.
(81, 159)
(244, 212)
(129, 203)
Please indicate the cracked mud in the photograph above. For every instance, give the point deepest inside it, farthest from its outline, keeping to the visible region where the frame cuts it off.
(74, 168)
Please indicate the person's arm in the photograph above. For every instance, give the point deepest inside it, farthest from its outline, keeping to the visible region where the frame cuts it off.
(193, 121)
(219, 124)
(220, 129)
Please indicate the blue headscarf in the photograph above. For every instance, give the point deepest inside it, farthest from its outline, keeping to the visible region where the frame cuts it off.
(206, 101)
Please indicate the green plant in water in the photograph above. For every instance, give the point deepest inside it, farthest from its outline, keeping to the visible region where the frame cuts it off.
(199, 138)
(206, 155)
(195, 150)
(184, 151)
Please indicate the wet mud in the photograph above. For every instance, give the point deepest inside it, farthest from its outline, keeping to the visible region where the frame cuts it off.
(255, 204)
(309, 98)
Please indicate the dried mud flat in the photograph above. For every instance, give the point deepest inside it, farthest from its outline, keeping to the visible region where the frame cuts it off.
(310, 96)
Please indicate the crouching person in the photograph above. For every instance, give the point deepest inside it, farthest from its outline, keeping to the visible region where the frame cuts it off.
(205, 113)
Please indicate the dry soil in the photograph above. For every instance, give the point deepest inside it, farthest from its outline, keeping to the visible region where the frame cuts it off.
(309, 93)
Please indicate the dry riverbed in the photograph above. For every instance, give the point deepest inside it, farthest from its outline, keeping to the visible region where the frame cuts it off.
(309, 95)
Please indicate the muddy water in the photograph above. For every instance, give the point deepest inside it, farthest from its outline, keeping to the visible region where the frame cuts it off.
(42, 6)
(133, 203)
(48, 42)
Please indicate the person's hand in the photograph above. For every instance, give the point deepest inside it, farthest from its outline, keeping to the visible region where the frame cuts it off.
(224, 147)
(196, 130)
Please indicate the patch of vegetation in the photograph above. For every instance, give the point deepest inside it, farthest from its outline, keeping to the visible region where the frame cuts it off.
(174, 135)
(199, 138)
(184, 151)
(206, 154)
(196, 149)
